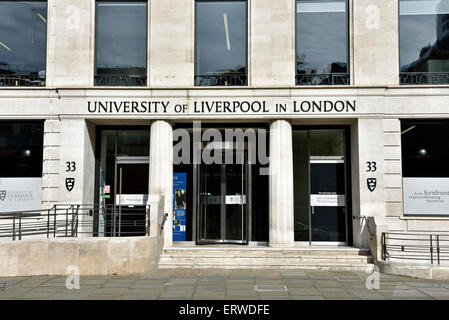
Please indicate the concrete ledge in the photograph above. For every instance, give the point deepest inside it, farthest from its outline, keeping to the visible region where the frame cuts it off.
(93, 256)
(424, 271)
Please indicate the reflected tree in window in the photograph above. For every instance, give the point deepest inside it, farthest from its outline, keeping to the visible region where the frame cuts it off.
(321, 42)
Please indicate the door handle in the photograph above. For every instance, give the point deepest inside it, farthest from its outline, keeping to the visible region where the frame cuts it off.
(313, 210)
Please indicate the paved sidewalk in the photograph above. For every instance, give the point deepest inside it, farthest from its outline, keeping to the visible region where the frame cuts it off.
(212, 284)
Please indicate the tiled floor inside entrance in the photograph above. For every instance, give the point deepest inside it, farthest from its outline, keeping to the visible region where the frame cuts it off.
(210, 284)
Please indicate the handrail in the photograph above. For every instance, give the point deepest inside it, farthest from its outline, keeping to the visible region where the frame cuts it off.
(73, 220)
(433, 248)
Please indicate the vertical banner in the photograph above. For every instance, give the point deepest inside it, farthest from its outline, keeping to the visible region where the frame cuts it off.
(179, 206)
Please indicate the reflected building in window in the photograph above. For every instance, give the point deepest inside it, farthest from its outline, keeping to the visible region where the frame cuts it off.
(23, 43)
(121, 43)
(424, 42)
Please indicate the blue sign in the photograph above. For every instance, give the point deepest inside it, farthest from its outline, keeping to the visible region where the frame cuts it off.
(179, 206)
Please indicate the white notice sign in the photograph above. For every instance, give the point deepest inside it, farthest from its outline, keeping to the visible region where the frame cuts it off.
(426, 196)
(132, 199)
(327, 200)
(18, 194)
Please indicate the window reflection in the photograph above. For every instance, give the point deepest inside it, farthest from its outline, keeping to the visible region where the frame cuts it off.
(424, 41)
(21, 148)
(221, 41)
(425, 148)
(321, 42)
(121, 53)
(23, 42)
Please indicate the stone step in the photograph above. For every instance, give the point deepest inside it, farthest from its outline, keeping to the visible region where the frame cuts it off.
(265, 260)
(267, 252)
(365, 267)
(325, 258)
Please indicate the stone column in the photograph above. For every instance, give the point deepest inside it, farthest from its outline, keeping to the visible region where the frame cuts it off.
(281, 214)
(161, 171)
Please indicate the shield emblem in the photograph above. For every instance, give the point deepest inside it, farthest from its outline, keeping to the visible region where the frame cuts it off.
(69, 183)
(372, 183)
(2, 195)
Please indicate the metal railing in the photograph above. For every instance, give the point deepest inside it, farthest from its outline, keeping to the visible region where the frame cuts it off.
(418, 247)
(120, 80)
(22, 80)
(324, 79)
(412, 78)
(221, 80)
(75, 220)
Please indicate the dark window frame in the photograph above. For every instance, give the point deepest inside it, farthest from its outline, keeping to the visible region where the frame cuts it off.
(348, 47)
(147, 39)
(246, 75)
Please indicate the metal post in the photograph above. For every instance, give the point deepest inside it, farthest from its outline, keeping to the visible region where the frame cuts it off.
(20, 225)
(384, 247)
(438, 248)
(66, 221)
(54, 225)
(431, 250)
(14, 226)
(48, 223)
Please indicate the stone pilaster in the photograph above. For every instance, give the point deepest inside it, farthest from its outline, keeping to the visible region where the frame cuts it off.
(281, 214)
(161, 171)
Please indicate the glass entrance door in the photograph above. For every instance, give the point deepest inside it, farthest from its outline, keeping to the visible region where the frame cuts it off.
(131, 199)
(123, 183)
(320, 186)
(327, 201)
(222, 209)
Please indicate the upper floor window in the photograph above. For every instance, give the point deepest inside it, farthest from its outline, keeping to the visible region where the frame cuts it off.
(424, 41)
(23, 43)
(221, 43)
(121, 43)
(322, 42)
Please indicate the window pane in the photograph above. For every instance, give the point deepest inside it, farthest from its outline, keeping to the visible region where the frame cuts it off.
(21, 149)
(221, 39)
(425, 149)
(133, 143)
(121, 54)
(327, 143)
(23, 42)
(321, 41)
(424, 39)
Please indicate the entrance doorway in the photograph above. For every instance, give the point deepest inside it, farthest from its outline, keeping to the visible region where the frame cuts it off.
(123, 183)
(224, 193)
(321, 186)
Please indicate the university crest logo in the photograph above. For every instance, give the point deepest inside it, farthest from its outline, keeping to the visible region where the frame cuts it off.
(372, 183)
(69, 183)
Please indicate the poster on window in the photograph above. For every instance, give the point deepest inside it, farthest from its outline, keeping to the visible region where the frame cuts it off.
(179, 206)
(426, 196)
(20, 194)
